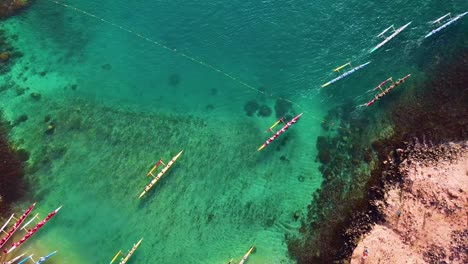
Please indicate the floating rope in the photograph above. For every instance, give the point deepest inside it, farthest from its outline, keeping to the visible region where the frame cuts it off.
(182, 54)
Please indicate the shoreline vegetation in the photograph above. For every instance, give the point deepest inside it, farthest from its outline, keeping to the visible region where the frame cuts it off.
(361, 159)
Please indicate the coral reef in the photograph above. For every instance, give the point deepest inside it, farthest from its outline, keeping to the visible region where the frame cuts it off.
(36, 96)
(11, 7)
(4, 56)
(251, 107)
(282, 108)
(12, 186)
(8, 54)
(22, 118)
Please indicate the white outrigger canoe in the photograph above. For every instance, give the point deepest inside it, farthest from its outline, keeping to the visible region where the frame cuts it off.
(160, 174)
(129, 254)
(346, 74)
(387, 39)
(448, 23)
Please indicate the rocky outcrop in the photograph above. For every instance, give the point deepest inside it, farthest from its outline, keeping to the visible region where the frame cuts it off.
(11, 7)
(425, 218)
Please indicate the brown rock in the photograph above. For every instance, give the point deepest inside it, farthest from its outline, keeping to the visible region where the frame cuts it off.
(4, 56)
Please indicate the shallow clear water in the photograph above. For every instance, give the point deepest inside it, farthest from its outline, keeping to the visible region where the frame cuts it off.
(136, 102)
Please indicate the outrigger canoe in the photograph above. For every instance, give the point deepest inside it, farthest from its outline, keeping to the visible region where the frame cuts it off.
(129, 255)
(26, 259)
(33, 231)
(43, 259)
(14, 260)
(16, 225)
(124, 260)
(246, 256)
(286, 126)
(160, 174)
(448, 23)
(395, 32)
(353, 70)
(386, 91)
(7, 222)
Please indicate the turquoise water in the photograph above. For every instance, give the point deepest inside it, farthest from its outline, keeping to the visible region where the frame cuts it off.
(135, 102)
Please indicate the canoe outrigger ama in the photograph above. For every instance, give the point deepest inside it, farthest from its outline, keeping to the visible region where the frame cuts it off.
(346, 73)
(448, 23)
(14, 259)
(387, 39)
(285, 127)
(130, 253)
(26, 259)
(160, 174)
(386, 91)
(41, 259)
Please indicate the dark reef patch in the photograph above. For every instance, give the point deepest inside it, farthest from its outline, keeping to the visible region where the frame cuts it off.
(251, 107)
(210, 107)
(106, 67)
(264, 111)
(174, 80)
(8, 54)
(36, 96)
(12, 185)
(22, 118)
(358, 159)
(282, 108)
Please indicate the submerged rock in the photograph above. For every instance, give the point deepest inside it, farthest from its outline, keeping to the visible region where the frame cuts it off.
(4, 57)
(50, 129)
(297, 214)
(36, 96)
(47, 118)
(22, 118)
(19, 91)
(22, 154)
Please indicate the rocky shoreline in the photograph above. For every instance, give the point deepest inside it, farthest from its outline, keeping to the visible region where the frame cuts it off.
(424, 209)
